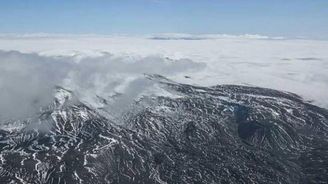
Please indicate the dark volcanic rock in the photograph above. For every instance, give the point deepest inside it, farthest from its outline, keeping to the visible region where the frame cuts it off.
(221, 134)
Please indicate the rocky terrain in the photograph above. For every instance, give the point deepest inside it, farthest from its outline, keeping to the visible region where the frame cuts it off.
(219, 134)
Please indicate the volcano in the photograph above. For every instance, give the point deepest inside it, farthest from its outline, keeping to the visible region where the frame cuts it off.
(218, 134)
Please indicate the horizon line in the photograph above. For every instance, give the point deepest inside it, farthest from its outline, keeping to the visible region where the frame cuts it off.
(159, 36)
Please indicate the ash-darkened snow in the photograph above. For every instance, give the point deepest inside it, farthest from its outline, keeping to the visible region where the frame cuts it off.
(219, 134)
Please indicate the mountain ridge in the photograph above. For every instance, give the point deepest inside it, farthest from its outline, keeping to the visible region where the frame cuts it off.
(219, 134)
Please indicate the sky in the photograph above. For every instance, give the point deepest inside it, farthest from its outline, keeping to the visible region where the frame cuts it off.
(289, 18)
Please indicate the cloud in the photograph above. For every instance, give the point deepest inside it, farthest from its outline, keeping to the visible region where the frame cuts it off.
(294, 65)
(27, 80)
(180, 36)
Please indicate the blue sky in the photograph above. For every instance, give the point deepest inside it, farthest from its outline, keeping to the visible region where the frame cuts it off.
(291, 18)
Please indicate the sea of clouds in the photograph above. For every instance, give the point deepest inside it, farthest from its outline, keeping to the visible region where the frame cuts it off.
(93, 65)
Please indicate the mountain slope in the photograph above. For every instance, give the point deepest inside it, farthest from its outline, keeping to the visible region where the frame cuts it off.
(220, 134)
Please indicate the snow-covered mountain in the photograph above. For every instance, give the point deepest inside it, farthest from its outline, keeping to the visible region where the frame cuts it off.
(218, 134)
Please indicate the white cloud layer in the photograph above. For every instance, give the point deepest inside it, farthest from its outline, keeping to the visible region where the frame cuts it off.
(83, 62)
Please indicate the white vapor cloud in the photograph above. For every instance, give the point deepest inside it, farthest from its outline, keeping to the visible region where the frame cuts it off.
(27, 81)
(294, 65)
